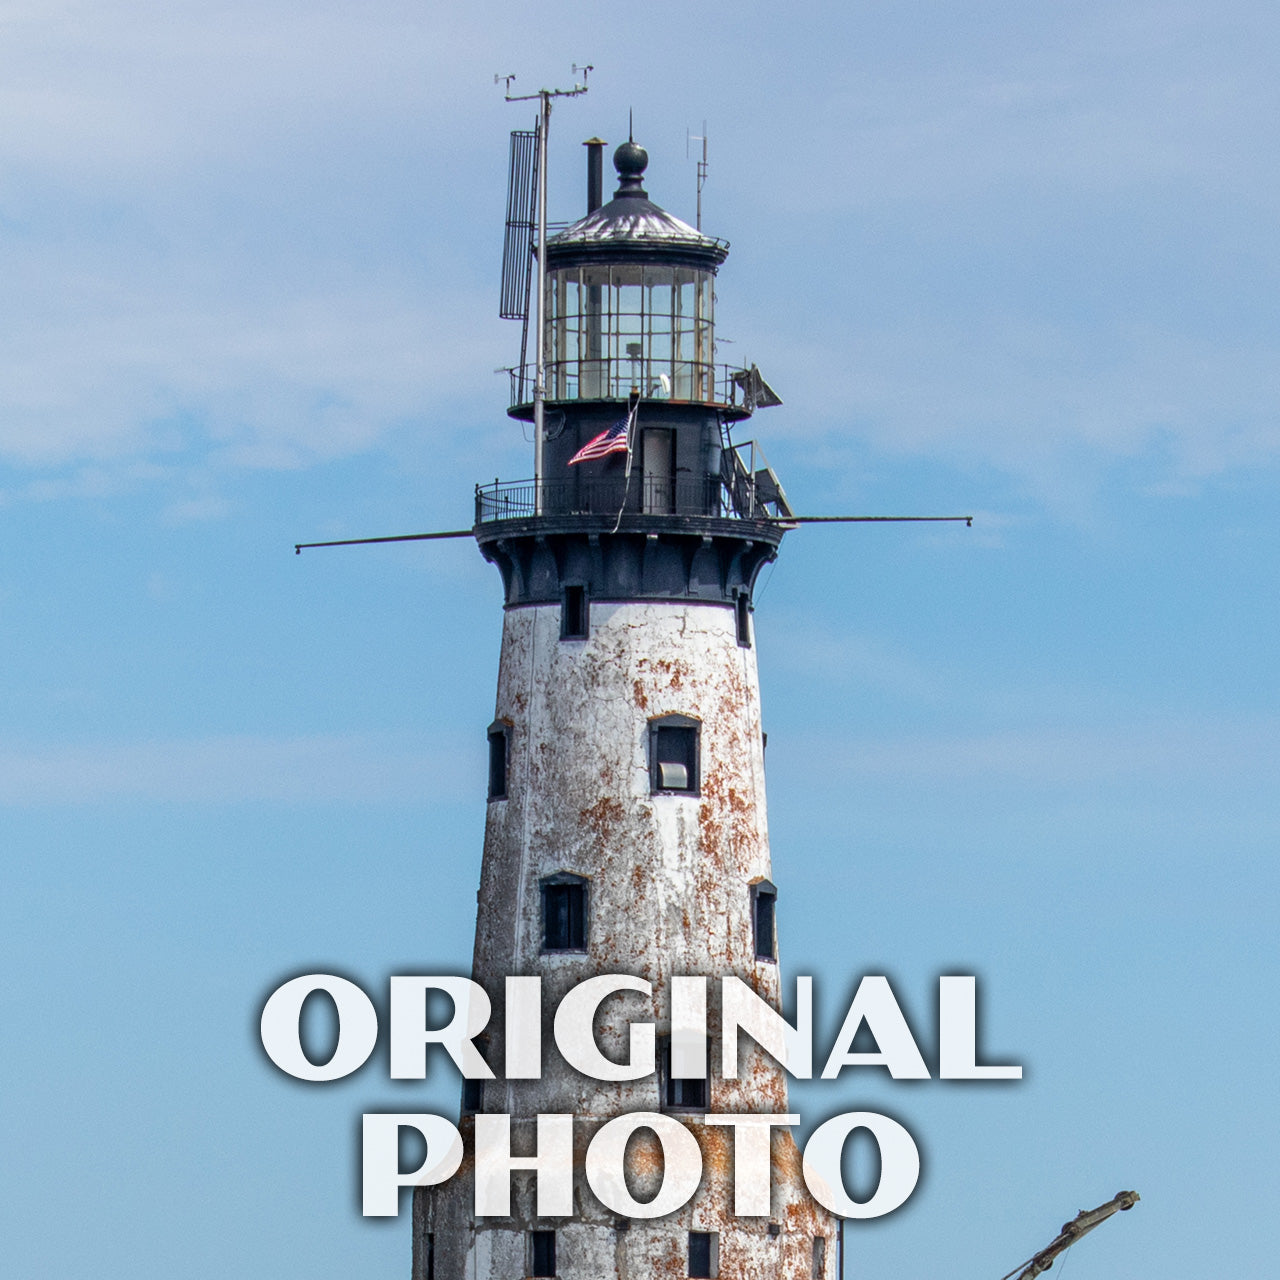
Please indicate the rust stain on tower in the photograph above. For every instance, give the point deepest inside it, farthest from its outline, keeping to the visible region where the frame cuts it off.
(626, 830)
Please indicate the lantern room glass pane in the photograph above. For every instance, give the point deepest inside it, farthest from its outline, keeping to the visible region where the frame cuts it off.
(611, 330)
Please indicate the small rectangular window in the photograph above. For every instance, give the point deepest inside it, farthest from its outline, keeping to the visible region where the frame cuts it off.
(473, 1090)
(819, 1257)
(703, 1263)
(564, 914)
(764, 901)
(472, 1096)
(673, 754)
(499, 738)
(573, 613)
(542, 1253)
(679, 1095)
(742, 609)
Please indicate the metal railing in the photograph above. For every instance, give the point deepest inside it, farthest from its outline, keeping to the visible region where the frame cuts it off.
(615, 378)
(736, 493)
(642, 495)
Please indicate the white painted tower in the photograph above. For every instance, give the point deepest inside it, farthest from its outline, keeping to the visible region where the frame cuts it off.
(626, 829)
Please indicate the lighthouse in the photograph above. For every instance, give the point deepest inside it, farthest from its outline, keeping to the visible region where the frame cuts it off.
(626, 829)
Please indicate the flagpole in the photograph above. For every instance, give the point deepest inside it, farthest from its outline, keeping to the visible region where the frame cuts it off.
(633, 412)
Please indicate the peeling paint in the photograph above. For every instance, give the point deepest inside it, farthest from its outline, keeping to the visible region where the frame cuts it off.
(670, 880)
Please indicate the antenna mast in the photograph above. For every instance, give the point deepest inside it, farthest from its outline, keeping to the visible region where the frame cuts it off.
(702, 164)
(544, 97)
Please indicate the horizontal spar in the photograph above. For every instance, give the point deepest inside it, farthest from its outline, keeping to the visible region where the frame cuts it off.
(399, 537)
(299, 547)
(968, 520)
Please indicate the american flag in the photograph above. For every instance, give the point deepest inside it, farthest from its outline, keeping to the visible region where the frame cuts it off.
(614, 440)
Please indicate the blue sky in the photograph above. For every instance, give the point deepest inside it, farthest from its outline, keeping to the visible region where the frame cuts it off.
(1012, 259)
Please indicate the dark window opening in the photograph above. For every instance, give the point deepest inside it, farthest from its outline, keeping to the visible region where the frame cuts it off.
(574, 614)
(564, 913)
(764, 901)
(673, 754)
(472, 1096)
(742, 609)
(473, 1090)
(680, 1095)
(499, 742)
(542, 1253)
(819, 1256)
(702, 1254)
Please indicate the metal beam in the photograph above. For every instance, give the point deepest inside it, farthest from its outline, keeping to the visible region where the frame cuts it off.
(400, 537)
(968, 520)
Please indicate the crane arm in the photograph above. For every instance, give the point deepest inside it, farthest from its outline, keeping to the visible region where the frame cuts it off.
(1080, 1225)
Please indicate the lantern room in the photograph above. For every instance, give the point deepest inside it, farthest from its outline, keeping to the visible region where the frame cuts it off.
(630, 305)
(641, 326)
(635, 411)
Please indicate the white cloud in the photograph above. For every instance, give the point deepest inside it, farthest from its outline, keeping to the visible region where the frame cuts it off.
(109, 90)
(125, 369)
(1200, 754)
(195, 510)
(264, 235)
(856, 660)
(310, 770)
(1043, 402)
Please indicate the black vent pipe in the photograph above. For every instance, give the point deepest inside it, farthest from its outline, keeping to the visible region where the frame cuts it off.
(595, 173)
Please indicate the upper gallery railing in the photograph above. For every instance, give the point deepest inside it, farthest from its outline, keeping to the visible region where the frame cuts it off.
(616, 378)
(738, 493)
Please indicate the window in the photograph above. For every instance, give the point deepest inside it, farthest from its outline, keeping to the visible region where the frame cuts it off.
(473, 1090)
(564, 913)
(742, 610)
(574, 615)
(764, 900)
(472, 1096)
(542, 1253)
(673, 754)
(819, 1256)
(499, 746)
(679, 1095)
(703, 1250)
(614, 328)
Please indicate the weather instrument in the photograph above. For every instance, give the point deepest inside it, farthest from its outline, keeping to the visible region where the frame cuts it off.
(624, 299)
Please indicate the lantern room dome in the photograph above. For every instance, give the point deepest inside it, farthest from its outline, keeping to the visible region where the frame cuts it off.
(632, 228)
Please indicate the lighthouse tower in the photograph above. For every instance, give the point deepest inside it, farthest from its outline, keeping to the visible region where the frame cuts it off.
(626, 829)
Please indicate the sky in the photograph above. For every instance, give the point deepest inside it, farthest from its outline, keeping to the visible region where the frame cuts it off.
(1014, 260)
